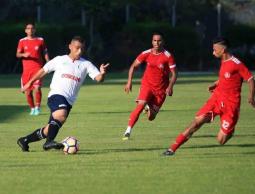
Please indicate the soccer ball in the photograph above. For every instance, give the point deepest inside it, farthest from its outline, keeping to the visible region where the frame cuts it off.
(71, 145)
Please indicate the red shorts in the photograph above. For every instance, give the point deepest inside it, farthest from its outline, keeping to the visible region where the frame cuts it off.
(228, 112)
(154, 99)
(26, 76)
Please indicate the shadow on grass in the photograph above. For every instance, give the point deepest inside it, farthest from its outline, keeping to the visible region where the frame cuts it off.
(217, 145)
(8, 112)
(106, 151)
(214, 136)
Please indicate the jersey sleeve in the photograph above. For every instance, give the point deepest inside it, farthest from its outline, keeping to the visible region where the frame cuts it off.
(142, 57)
(171, 63)
(244, 72)
(44, 47)
(92, 71)
(51, 65)
(20, 46)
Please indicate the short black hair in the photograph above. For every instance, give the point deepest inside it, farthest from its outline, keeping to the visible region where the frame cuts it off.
(222, 41)
(79, 39)
(29, 23)
(158, 33)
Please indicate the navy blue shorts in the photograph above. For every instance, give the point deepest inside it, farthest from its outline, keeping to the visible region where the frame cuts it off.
(56, 102)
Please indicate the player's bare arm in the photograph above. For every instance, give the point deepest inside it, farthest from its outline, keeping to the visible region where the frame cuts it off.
(169, 90)
(251, 92)
(40, 74)
(46, 57)
(128, 86)
(100, 77)
(22, 55)
(212, 87)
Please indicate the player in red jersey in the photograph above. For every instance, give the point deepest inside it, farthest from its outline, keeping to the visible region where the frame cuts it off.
(33, 52)
(155, 84)
(225, 98)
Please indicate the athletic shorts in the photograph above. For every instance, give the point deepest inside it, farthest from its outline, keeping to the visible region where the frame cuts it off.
(154, 99)
(26, 76)
(57, 102)
(228, 112)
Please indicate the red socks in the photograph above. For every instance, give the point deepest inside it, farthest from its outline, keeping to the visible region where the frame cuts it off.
(135, 115)
(181, 139)
(38, 98)
(30, 99)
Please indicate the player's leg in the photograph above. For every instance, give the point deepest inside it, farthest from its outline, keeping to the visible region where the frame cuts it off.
(228, 121)
(134, 116)
(60, 109)
(188, 132)
(29, 93)
(155, 104)
(38, 96)
(143, 98)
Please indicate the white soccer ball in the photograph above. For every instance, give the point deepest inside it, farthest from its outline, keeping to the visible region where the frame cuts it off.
(71, 145)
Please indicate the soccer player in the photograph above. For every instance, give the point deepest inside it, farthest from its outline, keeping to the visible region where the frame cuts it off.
(155, 84)
(225, 97)
(33, 52)
(69, 73)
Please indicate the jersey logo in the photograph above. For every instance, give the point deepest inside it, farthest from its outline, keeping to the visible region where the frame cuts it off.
(72, 77)
(227, 75)
(225, 124)
(26, 47)
(161, 66)
(36, 47)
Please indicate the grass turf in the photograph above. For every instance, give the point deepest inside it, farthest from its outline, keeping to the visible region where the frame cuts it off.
(106, 164)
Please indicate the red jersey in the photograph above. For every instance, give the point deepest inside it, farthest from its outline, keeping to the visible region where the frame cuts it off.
(158, 67)
(231, 76)
(37, 48)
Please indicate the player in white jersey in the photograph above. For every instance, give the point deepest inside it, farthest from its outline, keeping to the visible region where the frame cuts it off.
(69, 73)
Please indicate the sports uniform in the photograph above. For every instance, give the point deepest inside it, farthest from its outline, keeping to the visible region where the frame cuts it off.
(156, 77)
(36, 47)
(225, 100)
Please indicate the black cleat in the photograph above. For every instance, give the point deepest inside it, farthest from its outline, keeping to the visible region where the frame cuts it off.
(23, 144)
(52, 145)
(168, 153)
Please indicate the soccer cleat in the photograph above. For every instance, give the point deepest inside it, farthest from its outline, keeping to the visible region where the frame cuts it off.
(168, 153)
(126, 136)
(52, 145)
(37, 111)
(22, 144)
(32, 112)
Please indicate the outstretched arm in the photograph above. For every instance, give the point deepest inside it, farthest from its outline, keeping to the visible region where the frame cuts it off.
(40, 74)
(100, 77)
(212, 87)
(251, 92)
(169, 90)
(128, 86)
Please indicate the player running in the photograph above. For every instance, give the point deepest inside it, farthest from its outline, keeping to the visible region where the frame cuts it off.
(225, 98)
(155, 84)
(69, 74)
(33, 52)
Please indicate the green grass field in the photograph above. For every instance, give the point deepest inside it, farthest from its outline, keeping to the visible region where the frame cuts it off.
(107, 165)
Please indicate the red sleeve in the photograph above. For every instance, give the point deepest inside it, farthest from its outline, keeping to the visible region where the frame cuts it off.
(244, 72)
(20, 46)
(171, 62)
(44, 48)
(142, 57)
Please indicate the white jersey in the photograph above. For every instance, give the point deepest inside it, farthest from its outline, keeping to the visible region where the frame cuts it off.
(69, 75)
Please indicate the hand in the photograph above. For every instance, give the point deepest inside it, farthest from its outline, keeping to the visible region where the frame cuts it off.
(26, 55)
(251, 101)
(211, 88)
(128, 87)
(25, 87)
(169, 91)
(103, 68)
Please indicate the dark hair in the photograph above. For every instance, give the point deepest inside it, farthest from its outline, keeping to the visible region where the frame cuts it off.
(29, 23)
(222, 41)
(79, 39)
(158, 33)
